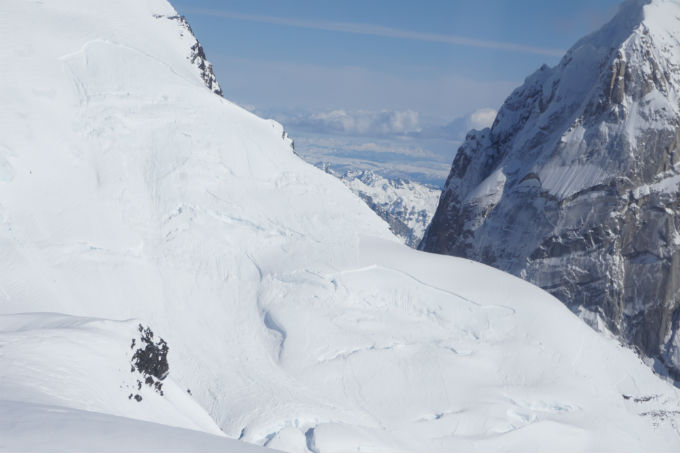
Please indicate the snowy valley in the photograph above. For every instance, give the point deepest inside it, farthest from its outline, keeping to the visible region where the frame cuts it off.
(133, 196)
(407, 206)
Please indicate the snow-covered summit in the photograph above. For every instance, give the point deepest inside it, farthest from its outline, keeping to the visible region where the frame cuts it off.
(623, 79)
(575, 185)
(131, 194)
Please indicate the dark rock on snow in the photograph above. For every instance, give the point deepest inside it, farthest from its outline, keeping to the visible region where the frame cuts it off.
(150, 360)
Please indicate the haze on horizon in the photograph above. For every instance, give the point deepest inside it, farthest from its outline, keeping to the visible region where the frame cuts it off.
(389, 86)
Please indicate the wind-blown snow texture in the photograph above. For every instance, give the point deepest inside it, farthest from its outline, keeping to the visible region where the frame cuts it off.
(406, 206)
(130, 191)
(575, 187)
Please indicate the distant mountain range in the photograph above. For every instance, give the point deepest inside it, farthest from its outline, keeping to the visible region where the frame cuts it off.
(406, 206)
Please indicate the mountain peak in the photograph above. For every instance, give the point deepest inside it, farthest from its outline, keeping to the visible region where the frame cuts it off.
(574, 186)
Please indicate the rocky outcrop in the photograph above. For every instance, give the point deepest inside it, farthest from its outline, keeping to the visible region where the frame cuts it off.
(149, 361)
(197, 54)
(576, 186)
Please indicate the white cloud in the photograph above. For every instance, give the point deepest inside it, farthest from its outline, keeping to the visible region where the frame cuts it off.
(249, 107)
(482, 118)
(291, 87)
(458, 128)
(356, 123)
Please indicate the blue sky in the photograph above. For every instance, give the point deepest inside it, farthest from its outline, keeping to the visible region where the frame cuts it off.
(387, 67)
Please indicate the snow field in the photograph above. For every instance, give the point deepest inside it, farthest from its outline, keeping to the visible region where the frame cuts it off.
(295, 317)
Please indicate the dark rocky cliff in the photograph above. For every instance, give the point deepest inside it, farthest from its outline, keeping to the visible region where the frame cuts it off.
(576, 185)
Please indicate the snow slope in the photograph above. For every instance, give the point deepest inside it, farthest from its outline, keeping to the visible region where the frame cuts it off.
(66, 384)
(130, 191)
(33, 427)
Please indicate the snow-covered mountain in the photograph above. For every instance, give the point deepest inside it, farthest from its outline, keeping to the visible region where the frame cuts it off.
(406, 206)
(290, 316)
(575, 187)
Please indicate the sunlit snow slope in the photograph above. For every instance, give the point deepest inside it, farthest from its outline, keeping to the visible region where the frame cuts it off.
(130, 193)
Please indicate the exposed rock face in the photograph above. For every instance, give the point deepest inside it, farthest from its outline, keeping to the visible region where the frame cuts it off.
(575, 186)
(197, 55)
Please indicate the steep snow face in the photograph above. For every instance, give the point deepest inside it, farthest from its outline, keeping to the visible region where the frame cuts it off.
(131, 191)
(588, 204)
(406, 206)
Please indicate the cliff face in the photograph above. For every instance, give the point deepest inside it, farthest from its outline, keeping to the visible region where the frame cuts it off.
(575, 186)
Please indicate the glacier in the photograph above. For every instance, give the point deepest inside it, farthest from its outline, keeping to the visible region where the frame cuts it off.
(132, 193)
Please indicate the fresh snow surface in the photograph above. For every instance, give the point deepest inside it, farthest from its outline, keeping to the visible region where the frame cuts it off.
(32, 427)
(130, 193)
(406, 206)
(66, 383)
